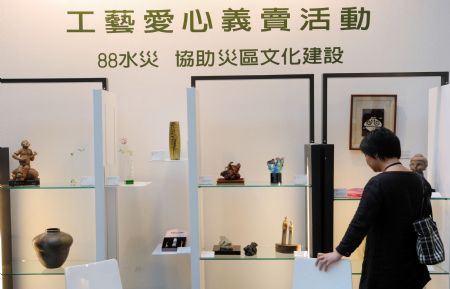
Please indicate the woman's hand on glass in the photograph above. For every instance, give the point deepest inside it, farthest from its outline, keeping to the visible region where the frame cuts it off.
(325, 260)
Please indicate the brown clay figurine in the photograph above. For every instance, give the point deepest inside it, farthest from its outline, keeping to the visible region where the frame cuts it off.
(24, 174)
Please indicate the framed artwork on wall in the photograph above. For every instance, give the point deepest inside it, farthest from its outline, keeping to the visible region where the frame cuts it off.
(368, 112)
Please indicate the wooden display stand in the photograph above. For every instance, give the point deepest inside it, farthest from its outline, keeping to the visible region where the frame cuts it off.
(287, 248)
(286, 245)
(14, 183)
(223, 181)
(235, 250)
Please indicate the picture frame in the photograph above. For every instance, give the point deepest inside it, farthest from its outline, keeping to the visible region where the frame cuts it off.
(369, 111)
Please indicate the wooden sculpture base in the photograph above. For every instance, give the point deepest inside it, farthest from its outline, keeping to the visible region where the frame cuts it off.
(235, 250)
(287, 248)
(223, 181)
(14, 183)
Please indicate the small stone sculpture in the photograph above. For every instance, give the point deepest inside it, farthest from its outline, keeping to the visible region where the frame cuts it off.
(284, 228)
(24, 172)
(286, 245)
(418, 164)
(225, 247)
(225, 244)
(291, 231)
(231, 174)
(231, 171)
(251, 250)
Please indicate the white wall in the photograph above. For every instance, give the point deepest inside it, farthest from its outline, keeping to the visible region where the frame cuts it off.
(404, 36)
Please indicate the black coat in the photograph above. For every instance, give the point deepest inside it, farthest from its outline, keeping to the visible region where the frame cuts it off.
(390, 203)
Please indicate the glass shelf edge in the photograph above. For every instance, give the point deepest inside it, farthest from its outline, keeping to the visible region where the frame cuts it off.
(169, 160)
(252, 185)
(48, 187)
(35, 268)
(136, 184)
(358, 199)
(158, 251)
(264, 253)
(71, 187)
(356, 264)
(434, 197)
(246, 258)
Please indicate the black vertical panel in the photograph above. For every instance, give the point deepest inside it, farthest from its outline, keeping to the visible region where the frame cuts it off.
(5, 220)
(320, 165)
(328, 196)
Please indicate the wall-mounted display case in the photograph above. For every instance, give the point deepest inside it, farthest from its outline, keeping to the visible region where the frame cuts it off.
(238, 119)
(72, 128)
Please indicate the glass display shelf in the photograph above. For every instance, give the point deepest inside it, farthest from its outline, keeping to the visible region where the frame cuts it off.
(436, 196)
(268, 253)
(254, 185)
(48, 186)
(33, 267)
(433, 269)
(136, 184)
(180, 251)
(169, 160)
(264, 253)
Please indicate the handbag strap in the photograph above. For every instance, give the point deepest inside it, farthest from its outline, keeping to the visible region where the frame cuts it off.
(425, 197)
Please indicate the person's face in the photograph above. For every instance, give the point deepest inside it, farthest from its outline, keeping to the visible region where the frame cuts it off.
(417, 166)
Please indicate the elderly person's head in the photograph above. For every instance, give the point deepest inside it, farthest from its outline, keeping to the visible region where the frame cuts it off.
(418, 163)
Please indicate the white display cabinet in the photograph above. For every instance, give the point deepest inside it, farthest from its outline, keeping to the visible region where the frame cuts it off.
(413, 129)
(72, 128)
(247, 122)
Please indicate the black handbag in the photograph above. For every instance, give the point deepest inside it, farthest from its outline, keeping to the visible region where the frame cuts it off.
(429, 246)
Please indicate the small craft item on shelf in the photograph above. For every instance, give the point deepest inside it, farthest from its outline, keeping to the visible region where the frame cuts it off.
(225, 247)
(340, 192)
(126, 162)
(174, 140)
(251, 250)
(24, 174)
(286, 245)
(355, 192)
(275, 167)
(52, 247)
(76, 157)
(173, 239)
(231, 175)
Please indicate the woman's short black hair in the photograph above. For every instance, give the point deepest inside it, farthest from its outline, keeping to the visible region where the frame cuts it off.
(382, 144)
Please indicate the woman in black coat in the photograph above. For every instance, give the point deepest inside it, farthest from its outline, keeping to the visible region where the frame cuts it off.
(390, 203)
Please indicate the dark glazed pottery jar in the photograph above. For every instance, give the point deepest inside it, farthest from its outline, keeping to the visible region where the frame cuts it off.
(52, 247)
